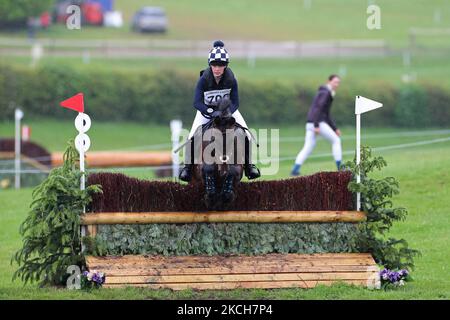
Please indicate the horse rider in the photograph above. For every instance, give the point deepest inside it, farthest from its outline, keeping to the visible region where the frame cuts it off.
(216, 83)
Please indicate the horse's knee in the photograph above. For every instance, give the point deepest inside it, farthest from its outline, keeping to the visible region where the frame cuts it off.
(208, 169)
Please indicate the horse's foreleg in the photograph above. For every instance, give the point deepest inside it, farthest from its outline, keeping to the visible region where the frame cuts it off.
(228, 189)
(210, 185)
(229, 182)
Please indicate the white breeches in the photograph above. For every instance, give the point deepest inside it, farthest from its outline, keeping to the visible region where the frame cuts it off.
(310, 142)
(200, 120)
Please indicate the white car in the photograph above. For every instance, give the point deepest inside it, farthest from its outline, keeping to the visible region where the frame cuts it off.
(150, 19)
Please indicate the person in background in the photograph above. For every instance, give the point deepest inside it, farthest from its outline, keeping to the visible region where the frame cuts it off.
(319, 122)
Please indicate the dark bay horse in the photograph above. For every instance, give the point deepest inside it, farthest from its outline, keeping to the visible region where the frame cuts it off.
(224, 148)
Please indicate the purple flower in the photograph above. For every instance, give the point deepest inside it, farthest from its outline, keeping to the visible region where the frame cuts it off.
(97, 277)
(394, 277)
(403, 273)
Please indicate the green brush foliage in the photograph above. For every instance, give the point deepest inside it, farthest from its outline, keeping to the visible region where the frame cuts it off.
(51, 232)
(376, 195)
(224, 238)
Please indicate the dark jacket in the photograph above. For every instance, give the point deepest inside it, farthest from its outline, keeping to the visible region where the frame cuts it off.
(320, 108)
(208, 93)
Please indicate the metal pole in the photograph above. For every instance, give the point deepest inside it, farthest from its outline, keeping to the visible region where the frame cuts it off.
(83, 228)
(18, 115)
(82, 180)
(358, 158)
(82, 187)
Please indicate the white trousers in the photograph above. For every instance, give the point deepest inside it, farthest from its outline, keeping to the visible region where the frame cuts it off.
(310, 142)
(200, 120)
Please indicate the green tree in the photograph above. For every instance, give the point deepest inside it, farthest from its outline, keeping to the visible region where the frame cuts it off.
(51, 237)
(376, 200)
(17, 11)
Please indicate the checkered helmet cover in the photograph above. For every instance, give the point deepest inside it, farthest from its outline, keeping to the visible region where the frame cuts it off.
(218, 54)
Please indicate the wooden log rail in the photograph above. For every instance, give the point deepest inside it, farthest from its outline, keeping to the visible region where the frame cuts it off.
(222, 217)
(105, 159)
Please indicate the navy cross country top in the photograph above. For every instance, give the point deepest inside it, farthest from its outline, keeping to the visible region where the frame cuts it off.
(209, 93)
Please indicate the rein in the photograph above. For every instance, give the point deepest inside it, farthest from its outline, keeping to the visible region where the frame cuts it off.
(209, 124)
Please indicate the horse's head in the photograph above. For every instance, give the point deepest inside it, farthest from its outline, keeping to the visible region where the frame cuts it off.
(226, 117)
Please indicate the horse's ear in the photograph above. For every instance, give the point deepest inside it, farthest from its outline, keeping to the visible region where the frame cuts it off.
(225, 103)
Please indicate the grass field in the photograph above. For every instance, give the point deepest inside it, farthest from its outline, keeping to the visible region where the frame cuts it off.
(418, 159)
(270, 20)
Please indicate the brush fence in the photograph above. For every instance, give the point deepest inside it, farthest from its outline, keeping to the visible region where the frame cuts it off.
(142, 245)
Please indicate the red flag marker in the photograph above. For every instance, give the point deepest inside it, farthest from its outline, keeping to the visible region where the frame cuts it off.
(75, 103)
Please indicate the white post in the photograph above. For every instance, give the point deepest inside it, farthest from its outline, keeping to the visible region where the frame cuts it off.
(82, 182)
(407, 58)
(175, 128)
(307, 4)
(358, 158)
(83, 228)
(251, 60)
(18, 115)
(82, 143)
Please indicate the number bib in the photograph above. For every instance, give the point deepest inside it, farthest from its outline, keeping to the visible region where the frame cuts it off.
(213, 97)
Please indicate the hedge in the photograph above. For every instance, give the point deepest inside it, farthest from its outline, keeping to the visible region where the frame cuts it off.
(159, 96)
(225, 238)
(320, 191)
(29, 149)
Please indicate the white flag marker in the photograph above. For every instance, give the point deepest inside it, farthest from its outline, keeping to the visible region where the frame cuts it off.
(362, 105)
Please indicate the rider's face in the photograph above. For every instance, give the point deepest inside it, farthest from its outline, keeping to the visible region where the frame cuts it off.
(217, 70)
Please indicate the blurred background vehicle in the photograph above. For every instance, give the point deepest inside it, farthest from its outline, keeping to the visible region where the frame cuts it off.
(113, 19)
(150, 19)
(94, 12)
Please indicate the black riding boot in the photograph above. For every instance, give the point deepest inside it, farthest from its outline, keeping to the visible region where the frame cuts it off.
(250, 170)
(186, 172)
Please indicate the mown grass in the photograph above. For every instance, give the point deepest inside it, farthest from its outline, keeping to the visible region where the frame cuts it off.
(270, 20)
(424, 180)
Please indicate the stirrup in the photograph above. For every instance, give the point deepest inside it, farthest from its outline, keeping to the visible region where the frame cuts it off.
(186, 173)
